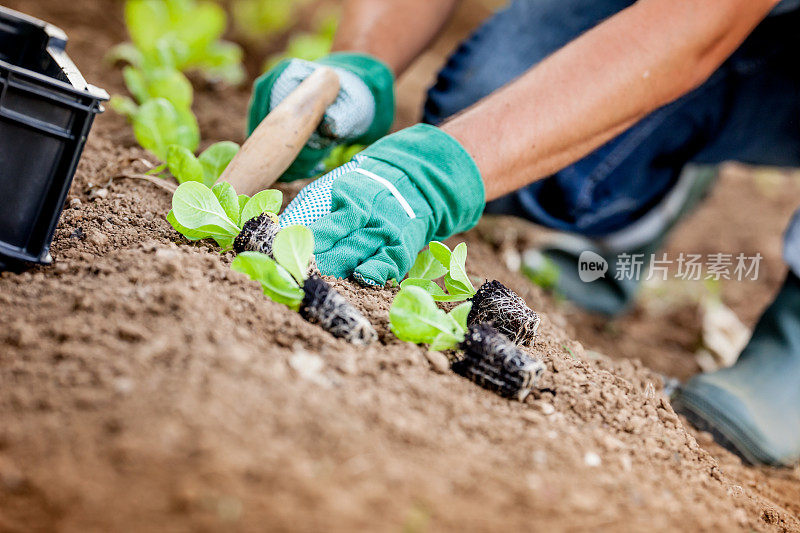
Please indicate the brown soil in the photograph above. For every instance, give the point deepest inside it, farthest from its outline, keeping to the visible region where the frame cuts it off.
(146, 386)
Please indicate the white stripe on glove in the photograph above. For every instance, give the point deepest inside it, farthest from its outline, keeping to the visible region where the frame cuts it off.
(314, 201)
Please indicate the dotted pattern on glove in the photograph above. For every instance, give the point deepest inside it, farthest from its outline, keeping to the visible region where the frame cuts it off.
(314, 201)
(365, 282)
(347, 118)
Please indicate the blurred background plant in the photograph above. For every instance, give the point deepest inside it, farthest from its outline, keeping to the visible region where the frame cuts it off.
(255, 19)
(184, 35)
(309, 45)
(172, 37)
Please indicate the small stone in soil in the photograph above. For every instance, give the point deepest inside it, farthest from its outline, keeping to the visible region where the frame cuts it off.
(592, 459)
(123, 385)
(438, 361)
(309, 367)
(98, 193)
(97, 237)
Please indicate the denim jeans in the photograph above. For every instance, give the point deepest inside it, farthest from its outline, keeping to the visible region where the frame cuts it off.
(747, 111)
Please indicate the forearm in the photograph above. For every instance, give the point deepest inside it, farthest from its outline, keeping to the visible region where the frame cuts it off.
(394, 31)
(595, 87)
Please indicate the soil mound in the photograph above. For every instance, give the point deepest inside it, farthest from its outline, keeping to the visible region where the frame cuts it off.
(145, 385)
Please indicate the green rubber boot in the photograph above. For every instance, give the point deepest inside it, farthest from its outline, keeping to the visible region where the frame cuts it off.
(557, 266)
(753, 407)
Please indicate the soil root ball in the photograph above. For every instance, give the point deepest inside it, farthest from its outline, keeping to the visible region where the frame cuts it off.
(495, 363)
(324, 306)
(496, 304)
(257, 235)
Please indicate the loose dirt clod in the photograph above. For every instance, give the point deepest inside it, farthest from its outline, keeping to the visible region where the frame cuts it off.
(324, 306)
(498, 305)
(495, 363)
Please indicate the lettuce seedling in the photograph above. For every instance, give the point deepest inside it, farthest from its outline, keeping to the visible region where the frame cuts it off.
(541, 270)
(257, 19)
(490, 359)
(158, 124)
(493, 302)
(199, 212)
(438, 261)
(164, 116)
(281, 277)
(414, 317)
(206, 168)
(308, 45)
(285, 279)
(181, 34)
(159, 82)
(222, 61)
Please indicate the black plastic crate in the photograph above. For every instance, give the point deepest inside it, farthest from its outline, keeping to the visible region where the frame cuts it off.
(46, 110)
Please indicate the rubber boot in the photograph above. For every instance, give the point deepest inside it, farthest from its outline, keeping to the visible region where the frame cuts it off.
(753, 407)
(557, 265)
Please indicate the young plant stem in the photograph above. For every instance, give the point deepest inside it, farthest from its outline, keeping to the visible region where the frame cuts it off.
(158, 182)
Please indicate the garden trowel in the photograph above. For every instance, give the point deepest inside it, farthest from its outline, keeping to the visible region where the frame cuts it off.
(276, 141)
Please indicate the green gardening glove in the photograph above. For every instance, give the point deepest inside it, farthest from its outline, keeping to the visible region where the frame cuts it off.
(372, 216)
(361, 114)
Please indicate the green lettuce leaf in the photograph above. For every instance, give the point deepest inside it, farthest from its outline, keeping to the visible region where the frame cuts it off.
(268, 201)
(183, 164)
(441, 252)
(243, 199)
(414, 317)
(228, 199)
(427, 266)
(428, 285)
(458, 271)
(196, 207)
(293, 248)
(277, 284)
(215, 158)
(158, 124)
(460, 313)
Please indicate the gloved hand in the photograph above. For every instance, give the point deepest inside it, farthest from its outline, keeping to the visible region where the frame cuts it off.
(373, 215)
(361, 114)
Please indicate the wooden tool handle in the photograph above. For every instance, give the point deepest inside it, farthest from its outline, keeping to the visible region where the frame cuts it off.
(277, 140)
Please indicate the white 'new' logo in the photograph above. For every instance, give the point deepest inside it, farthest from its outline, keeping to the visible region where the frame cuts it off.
(591, 266)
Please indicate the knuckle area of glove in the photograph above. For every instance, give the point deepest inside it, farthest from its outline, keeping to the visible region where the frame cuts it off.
(354, 189)
(409, 191)
(350, 191)
(386, 206)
